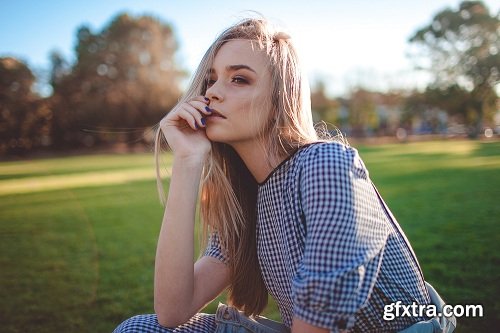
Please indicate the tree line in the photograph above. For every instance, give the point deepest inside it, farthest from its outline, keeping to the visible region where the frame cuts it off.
(125, 77)
(460, 48)
(123, 80)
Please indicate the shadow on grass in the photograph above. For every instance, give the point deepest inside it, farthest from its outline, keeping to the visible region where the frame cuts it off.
(487, 148)
(451, 218)
(82, 259)
(79, 259)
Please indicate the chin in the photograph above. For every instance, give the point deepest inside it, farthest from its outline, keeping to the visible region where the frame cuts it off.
(215, 135)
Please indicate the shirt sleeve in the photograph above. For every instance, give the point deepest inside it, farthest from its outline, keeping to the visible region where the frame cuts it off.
(214, 248)
(345, 237)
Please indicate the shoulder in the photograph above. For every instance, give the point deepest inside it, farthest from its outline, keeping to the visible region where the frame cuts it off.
(328, 148)
(331, 157)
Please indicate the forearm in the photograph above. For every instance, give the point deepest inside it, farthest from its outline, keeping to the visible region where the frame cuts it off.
(174, 272)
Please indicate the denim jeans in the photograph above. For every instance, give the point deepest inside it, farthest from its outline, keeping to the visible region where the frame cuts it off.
(437, 324)
(230, 320)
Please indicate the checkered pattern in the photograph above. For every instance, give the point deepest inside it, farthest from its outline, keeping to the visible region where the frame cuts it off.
(329, 250)
(200, 323)
(330, 253)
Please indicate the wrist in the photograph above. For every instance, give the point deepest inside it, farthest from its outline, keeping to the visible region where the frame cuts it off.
(191, 161)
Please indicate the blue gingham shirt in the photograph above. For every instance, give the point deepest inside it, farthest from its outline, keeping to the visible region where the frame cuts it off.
(330, 252)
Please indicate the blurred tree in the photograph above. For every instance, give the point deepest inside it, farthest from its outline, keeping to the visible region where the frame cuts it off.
(59, 68)
(461, 47)
(414, 106)
(124, 80)
(323, 107)
(362, 112)
(458, 102)
(389, 107)
(423, 112)
(24, 117)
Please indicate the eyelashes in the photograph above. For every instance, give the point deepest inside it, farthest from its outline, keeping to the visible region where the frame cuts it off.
(239, 79)
(210, 82)
(236, 79)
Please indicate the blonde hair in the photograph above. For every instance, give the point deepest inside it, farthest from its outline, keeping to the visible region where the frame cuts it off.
(228, 190)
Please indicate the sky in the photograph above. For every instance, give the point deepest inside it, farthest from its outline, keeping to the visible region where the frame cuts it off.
(344, 43)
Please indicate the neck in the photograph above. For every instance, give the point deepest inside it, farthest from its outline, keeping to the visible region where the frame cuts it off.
(256, 160)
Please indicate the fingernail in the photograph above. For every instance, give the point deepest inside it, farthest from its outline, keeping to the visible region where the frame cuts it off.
(208, 109)
(196, 125)
(203, 121)
(206, 99)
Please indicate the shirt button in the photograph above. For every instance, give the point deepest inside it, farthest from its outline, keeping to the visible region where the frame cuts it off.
(342, 323)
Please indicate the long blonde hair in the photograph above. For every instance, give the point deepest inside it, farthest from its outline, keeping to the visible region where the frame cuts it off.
(228, 190)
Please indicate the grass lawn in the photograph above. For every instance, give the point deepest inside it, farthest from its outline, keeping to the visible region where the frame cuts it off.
(78, 234)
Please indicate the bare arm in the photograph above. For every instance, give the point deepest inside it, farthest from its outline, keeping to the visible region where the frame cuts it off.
(181, 287)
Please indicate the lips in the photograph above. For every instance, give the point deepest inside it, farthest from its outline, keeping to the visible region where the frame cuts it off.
(216, 113)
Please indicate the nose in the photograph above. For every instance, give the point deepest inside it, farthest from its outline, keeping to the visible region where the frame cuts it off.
(214, 92)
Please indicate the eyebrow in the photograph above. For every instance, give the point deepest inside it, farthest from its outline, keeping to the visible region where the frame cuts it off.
(236, 67)
(232, 68)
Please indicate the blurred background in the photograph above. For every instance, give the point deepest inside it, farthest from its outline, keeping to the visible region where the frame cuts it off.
(412, 85)
(96, 74)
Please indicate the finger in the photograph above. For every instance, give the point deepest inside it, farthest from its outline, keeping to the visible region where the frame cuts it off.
(201, 106)
(196, 114)
(202, 99)
(184, 108)
(179, 117)
(192, 118)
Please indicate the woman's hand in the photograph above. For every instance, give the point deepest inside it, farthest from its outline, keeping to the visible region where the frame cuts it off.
(184, 129)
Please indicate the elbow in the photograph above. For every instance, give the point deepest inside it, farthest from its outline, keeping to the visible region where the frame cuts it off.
(170, 317)
(169, 321)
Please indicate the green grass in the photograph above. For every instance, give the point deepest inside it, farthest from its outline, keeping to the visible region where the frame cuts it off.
(78, 234)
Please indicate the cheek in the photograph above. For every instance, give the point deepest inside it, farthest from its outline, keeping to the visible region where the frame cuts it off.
(261, 111)
(244, 110)
(257, 121)
(253, 112)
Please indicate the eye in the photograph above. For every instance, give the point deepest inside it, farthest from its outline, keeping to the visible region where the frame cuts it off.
(239, 80)
(210, 82)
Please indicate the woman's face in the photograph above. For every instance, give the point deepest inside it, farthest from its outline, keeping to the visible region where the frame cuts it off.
(239, 86)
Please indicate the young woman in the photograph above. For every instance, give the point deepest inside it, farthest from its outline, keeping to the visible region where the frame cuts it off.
(288, 212)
